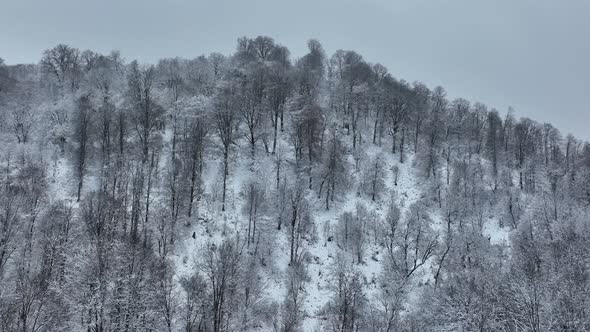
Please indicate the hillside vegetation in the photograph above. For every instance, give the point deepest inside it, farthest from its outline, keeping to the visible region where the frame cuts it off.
(256, 192)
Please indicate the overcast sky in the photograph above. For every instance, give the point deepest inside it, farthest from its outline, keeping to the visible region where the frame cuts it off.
(533, 55)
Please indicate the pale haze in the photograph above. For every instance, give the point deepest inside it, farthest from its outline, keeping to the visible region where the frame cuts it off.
(531, 55)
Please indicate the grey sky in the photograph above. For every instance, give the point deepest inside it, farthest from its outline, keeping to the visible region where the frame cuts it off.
(531, 54)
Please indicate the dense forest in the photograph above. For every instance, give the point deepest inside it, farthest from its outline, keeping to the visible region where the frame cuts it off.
(256, 192)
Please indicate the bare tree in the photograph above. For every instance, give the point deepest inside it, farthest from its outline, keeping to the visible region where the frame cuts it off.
(419, 112)
(225, 120)
(197, 139)
(254, 208)
(375, 177)
(293, 312)
(82, 120)
(333, 171)
(195, 301)
(63, 64)
(222, 268)
(352, 231)
(253, 115)
(279, 89)
(22, 116)
(300, 224)
(347, 306)
(309, 127)
(9, 225)
(311, 70)
(146, 118)
(415, 242)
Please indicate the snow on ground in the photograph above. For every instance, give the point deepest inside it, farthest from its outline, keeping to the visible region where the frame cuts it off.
(495, 233)
(61, 181)
(210, 225)
(324, 253)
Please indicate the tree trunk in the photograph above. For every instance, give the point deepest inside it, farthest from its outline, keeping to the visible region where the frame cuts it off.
(225, 171)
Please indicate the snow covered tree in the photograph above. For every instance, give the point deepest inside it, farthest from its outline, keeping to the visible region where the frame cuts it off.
(225, 119)
(346, 308)
(254, 208)
(333, 172)
(222, 269)
(375, 177)
(62, 63)
(301, 226)
(293, 312)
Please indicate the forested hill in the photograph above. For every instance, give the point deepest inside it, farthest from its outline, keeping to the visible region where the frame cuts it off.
(256, 192)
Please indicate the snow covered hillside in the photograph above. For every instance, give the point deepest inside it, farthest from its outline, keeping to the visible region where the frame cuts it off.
(255, 192)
